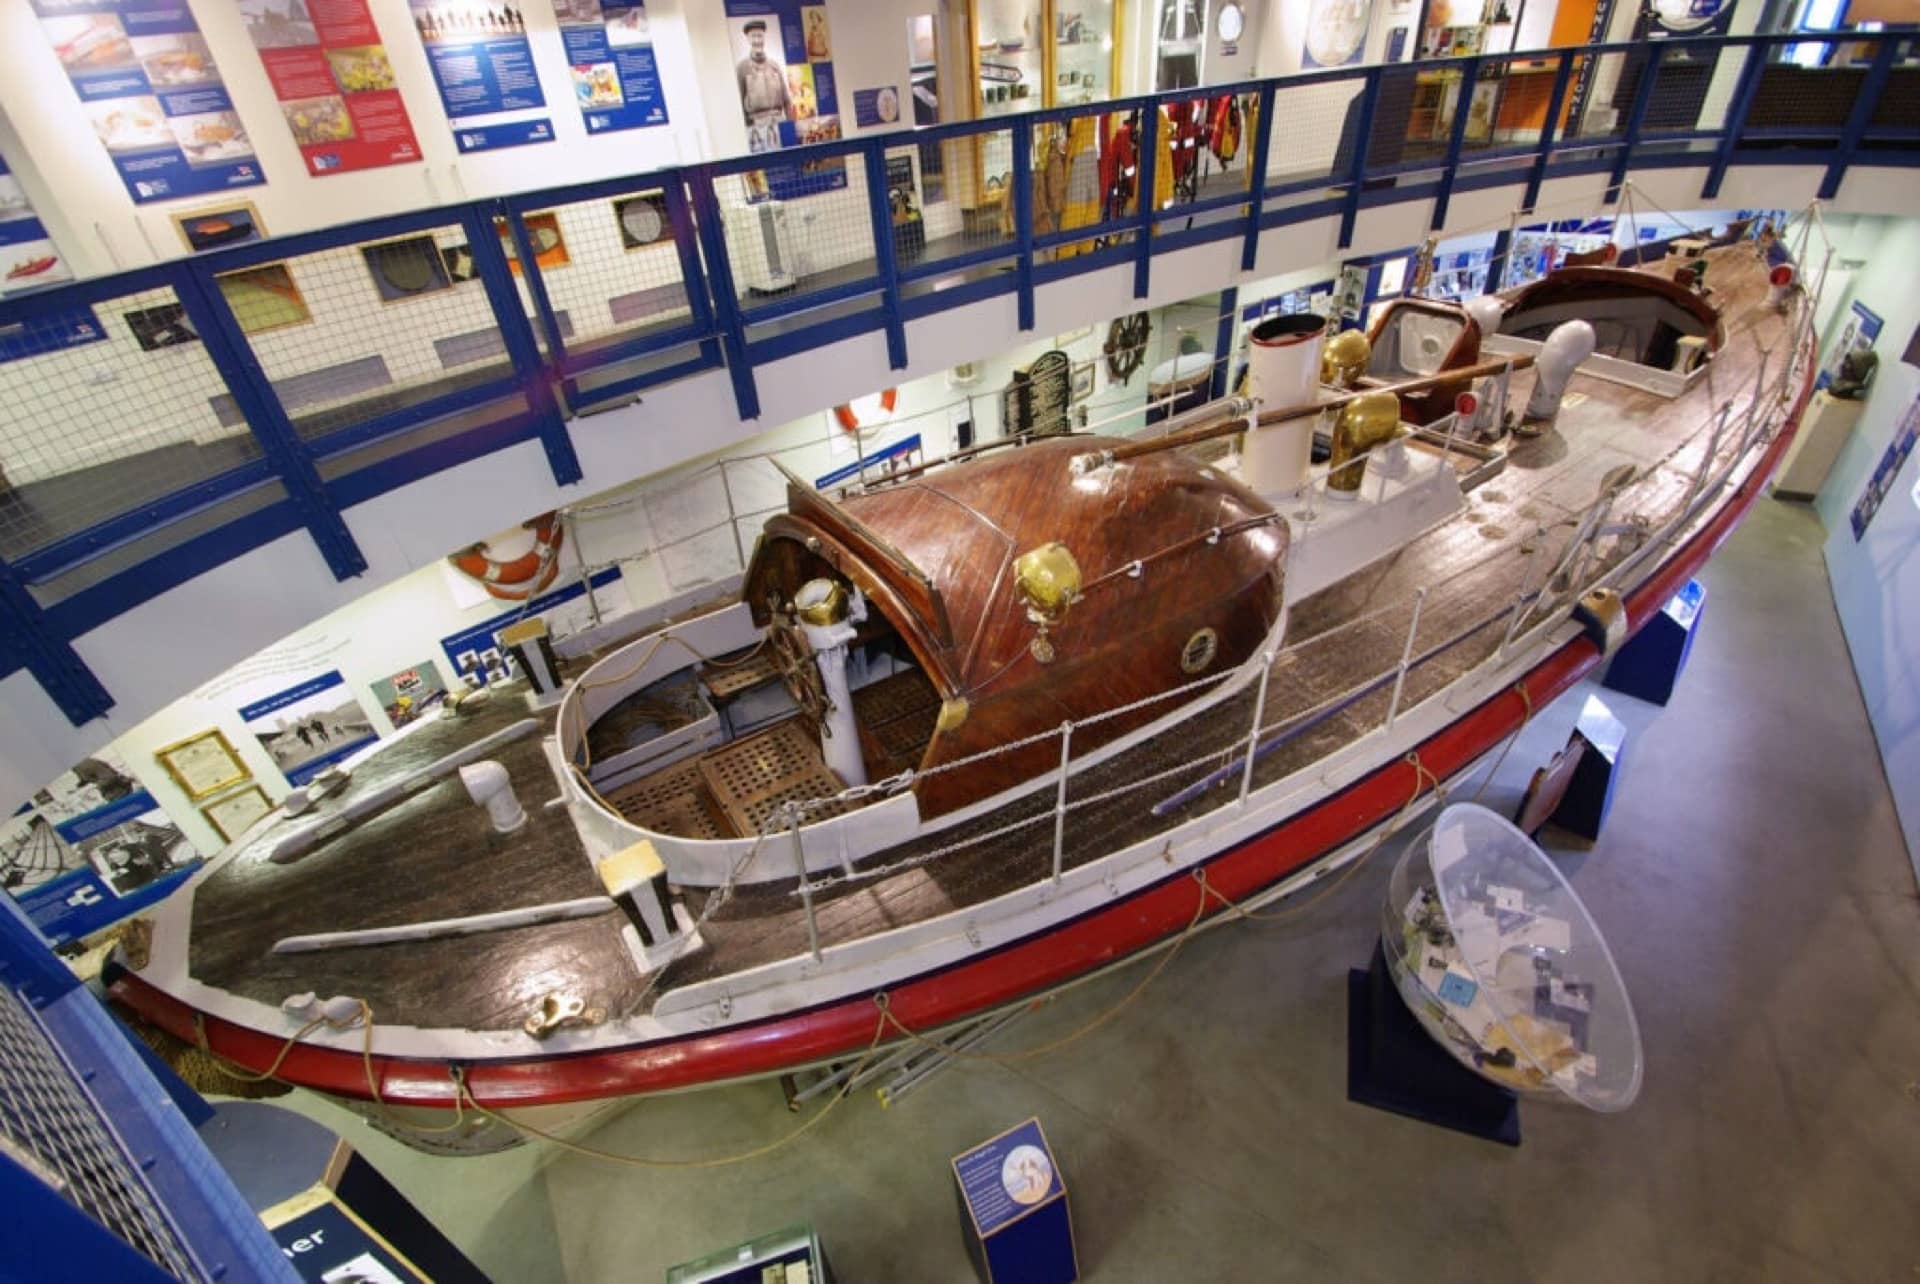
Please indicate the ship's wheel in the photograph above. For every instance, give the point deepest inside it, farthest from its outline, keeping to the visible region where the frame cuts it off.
(1126, 345)
(798, 673)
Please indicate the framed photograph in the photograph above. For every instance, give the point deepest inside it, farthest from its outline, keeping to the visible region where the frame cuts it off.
(210, 229)
(264, 298)
(203, 765)
(166, 326)
(1081, 386)
(459, 262)
(642, 220)
(406, 269)
(237, 812)
(549, 247)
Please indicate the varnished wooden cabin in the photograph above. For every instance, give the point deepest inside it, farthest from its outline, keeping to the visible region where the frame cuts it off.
(1181, 572)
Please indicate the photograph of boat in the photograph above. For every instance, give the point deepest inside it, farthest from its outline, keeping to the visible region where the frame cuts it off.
(990, 725)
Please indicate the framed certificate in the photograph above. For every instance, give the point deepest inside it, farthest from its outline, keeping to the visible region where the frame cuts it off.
(203, 765)
(236, 813)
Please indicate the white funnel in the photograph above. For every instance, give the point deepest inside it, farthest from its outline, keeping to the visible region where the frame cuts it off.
(1570, 343)
(1283, 370)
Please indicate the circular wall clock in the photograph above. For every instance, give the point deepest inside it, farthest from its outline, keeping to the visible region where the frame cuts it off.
(1230, 22)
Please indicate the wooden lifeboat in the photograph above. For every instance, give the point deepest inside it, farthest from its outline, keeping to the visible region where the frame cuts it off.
(1180, 573)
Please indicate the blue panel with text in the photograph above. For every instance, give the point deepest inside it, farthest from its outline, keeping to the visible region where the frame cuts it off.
(1013, 1198)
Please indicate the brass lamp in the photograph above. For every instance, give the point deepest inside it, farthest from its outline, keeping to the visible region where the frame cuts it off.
(1345, 358)
(1367, 421)
(1048, 580)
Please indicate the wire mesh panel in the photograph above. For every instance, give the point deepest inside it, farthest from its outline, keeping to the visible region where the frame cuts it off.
(1802, 96)
(1314, 127)
(50, 1124)
(348, 333)
(1688, 92)
(965, 186)
(797, 227)
(108, 408)
(1201, 150)
(620, 273)
(1600, 102)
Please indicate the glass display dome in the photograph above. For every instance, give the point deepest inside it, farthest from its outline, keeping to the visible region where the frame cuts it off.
(1501, 963)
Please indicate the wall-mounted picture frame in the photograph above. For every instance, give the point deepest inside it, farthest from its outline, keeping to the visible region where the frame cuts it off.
(264, 298)
(642, 220)
(406, 268)
(166, 326)
(1080, 386)
(234, 814)
(203, 764)
(459, 263)
(210, 229)
(549, 247)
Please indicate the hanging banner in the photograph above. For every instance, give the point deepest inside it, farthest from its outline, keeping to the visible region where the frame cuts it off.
(1892, 460)
(783, 53)
(28, 256)
(610, 51)
(484, 69)
(153, 95)
(309, 727)
(90, 849)
(336, 88)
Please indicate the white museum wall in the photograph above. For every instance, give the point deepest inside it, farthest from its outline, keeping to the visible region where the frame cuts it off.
(1876, 580)
(101, 230)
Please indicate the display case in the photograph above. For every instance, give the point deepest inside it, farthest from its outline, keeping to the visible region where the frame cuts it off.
(790, 1256)
(1026, 55)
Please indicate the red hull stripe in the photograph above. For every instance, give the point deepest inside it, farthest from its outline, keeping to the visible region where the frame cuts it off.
(977, 985)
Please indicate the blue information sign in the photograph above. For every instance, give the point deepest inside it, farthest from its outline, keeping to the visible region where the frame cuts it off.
(1015, 1200)
(484, 69)
(151, 91)
(93, 848)
(610, 52)
(308, 727)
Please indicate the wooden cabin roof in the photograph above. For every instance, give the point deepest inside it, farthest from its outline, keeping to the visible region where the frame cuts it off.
(957, 530)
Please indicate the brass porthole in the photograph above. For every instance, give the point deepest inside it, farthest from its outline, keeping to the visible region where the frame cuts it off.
(1199, 651)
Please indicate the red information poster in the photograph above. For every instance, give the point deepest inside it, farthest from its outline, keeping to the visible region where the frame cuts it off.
(335, 86)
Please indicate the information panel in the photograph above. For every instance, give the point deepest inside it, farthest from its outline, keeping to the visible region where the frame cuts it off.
(153, 95)
(330, 72)
(610, 52)
(28, 256)
(90, 849)
(783, 52)
(309, 727)
(484, 69)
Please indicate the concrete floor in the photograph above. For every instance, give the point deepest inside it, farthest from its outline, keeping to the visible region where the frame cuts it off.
(1751, 880)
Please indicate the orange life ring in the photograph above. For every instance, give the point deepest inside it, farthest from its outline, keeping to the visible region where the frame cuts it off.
(521, 577)
(851, 422)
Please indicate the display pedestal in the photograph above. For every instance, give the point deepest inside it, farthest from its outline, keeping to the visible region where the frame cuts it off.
(1013, 1205)
(333, 1216)
(1394, 1065)
(1589, 793)
(1648, 667)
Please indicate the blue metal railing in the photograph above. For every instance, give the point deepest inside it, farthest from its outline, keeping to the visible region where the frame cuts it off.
(58, 583)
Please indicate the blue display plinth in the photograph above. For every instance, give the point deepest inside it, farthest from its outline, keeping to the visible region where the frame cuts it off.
(1394, 1065)
(1648, 667)
(1013, 1202)
(1583, 809)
